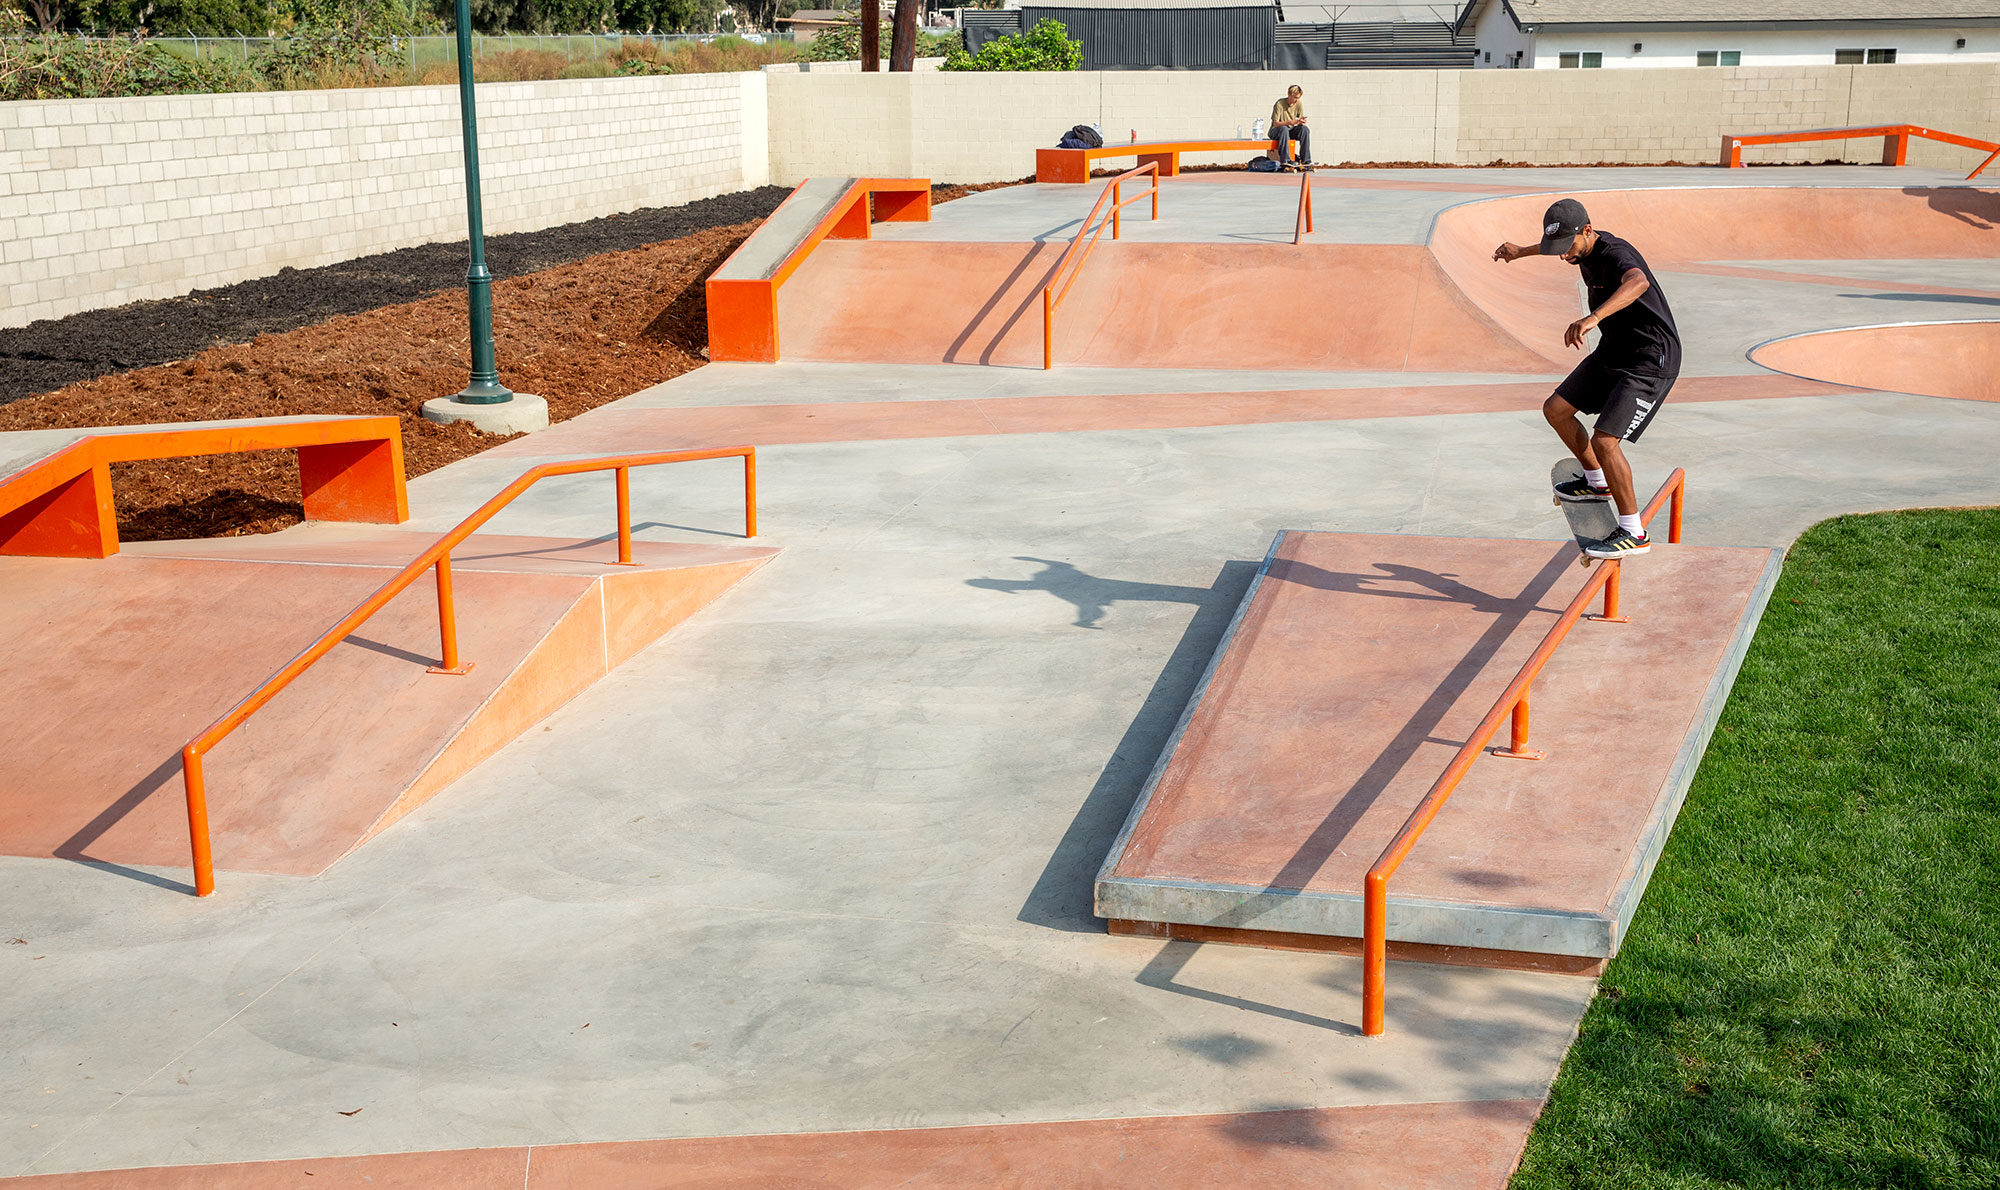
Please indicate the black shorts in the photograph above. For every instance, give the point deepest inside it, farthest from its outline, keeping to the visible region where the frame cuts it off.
(1624, 402)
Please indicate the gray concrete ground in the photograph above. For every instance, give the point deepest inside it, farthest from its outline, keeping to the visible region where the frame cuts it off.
(821, 859)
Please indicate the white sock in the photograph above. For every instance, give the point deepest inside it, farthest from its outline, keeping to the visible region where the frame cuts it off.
(1631, 524)
(1594, 478)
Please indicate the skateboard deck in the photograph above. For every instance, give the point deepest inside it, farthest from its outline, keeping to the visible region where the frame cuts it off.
(1590, 521)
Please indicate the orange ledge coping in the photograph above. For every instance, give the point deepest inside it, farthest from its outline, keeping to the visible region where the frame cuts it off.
(1073, 165)
(743, 310)
(60, 506)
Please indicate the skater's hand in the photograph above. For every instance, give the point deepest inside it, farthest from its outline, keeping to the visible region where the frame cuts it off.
(1573, 337)
(1510, 252)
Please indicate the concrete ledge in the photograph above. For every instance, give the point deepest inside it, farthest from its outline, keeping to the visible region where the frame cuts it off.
(1356, 667)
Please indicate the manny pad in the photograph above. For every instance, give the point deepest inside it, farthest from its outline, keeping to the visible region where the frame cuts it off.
(805, 888)
(1358, 663)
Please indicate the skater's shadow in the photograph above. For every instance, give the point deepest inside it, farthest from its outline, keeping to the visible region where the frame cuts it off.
(1090, 595)
(1093, 596)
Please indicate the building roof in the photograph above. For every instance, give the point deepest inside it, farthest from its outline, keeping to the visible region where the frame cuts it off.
(1148, 4)
(1550, 13)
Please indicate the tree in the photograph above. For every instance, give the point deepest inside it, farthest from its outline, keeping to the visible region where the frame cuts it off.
(166, 18)
(1045, 47)
(903, 43)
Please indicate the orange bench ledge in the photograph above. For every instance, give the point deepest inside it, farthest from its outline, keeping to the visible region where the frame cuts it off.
(59, 505)
(743, 293)
(1073, 165)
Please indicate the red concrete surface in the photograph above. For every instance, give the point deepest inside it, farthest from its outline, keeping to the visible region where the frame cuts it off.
(129, 657)
(1360, 668)
(1939, 359)
(1528, 297)
(1142, 305)
(620, 428)
(1423, 1146)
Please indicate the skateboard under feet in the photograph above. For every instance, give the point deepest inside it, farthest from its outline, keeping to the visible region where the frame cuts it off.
(1590, 521)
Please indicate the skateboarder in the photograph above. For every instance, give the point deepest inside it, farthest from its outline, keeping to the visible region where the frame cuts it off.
(1624, 381)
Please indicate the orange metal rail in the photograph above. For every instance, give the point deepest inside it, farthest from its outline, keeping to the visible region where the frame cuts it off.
(437, 556)
(1513, 702)
(1305, 222)
(1895, 142)
(1079, 250)
(350, 469)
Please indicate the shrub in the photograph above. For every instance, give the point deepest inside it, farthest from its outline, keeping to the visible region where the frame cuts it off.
(59, 66)
(338, 40)
(843, 44)
(1045, 47)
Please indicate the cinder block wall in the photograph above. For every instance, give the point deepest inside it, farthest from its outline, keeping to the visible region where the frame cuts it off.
(985, 127)
(104, 202)
(1548, 116)
(109, 201)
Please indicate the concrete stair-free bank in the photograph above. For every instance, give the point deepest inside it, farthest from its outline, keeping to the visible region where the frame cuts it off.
(118, 662)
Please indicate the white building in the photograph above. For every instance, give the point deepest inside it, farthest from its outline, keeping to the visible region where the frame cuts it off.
(1556, 34)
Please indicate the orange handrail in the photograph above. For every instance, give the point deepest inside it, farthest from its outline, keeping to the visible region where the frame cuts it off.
(1305, 221)
(1073, 258)
(1895, 142)
(1513, 702)
(439, 556)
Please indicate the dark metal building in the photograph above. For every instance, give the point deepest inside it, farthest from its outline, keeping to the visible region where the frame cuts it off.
(1148, 34)
(1243, 34)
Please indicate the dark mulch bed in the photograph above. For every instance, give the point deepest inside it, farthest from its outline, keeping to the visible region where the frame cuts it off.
(580, 333)
(47, 355)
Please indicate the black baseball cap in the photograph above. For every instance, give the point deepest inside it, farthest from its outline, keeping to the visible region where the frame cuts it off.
(1562, 222)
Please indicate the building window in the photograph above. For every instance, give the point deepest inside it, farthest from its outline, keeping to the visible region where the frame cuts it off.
(1718, 58)
(1859, 57)
(1588, 61)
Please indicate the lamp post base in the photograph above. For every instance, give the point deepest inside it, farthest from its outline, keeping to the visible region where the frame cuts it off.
(520, 414)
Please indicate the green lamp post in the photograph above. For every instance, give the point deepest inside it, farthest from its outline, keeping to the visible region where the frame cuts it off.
(485, 402)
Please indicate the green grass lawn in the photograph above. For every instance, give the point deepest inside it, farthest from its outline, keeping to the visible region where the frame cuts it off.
(1810, 993)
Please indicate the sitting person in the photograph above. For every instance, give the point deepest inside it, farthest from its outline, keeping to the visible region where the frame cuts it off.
(1288, 124)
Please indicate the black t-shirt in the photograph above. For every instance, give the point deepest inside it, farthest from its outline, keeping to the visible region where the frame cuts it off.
(1641, 337)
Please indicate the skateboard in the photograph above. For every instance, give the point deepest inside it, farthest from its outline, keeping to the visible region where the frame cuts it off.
(1589, 521)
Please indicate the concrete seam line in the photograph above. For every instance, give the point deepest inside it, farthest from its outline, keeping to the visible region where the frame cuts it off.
(221, 1025)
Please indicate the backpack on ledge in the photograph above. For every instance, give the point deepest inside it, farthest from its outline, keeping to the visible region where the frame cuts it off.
(1083, 136)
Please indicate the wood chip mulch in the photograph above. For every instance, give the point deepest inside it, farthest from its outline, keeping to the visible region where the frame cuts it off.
(580, 335)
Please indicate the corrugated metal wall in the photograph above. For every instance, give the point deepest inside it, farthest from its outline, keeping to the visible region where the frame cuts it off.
(1152, 38)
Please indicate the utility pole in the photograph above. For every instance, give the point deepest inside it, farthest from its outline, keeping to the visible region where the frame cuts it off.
(903, 41)
(871, 34)
(485, 402)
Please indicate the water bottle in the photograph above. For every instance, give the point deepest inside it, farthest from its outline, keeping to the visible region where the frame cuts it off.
(1239, 132)
(1257, 129)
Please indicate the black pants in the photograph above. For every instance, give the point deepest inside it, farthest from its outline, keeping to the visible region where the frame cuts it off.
(1624, 402)
(1297, 132)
